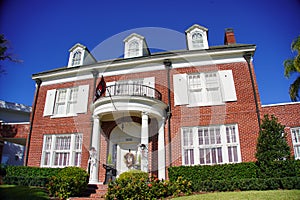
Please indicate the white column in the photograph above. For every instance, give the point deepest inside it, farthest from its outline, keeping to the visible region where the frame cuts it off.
(144, 142)
(94, 151)
(161, 151)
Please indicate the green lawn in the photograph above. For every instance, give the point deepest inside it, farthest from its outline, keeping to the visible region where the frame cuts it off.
(249, 195)
(13, 192)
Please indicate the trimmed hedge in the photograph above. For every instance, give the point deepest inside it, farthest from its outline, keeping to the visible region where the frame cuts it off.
(29, 176)
(241, 176)
(248, 184)
(214, 172)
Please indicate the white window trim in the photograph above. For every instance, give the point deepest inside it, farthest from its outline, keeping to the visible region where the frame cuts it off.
(296, 145)
(223, 144)
(66, 103)
(204, 92)
(226, 88)
(79, 107)
(72, 150)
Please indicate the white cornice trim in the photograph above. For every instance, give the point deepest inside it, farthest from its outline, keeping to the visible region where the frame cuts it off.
(280, 104)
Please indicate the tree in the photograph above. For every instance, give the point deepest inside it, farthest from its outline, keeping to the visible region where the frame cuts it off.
(4, 54)
(292, 66)
(272, 144)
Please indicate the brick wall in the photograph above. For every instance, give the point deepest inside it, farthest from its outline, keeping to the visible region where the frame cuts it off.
(288, 115)
(241, 112)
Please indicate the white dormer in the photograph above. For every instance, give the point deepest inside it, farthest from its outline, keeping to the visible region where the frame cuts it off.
(80, 55)
(196, 37)
(135, 46)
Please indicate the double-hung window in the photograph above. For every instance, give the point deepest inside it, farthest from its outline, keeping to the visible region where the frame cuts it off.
(61, 150)
(204, 89)
(210, 145)
(66, 101)
(197, 40)
(296, 141)
(133, 49)
(76, 60)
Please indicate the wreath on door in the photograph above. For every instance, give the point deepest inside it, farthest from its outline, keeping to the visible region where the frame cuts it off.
(129, 160)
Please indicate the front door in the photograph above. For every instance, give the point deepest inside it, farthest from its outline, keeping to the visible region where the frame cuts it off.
(127, 157)
(124, 151)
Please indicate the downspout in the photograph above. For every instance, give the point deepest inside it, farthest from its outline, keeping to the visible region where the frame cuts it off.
(38, 82)
(248, 57)
(168, 66)
(95, 75)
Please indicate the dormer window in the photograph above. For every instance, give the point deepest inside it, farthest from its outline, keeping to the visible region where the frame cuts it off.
(133, 49)
(197, 40)
(80, 55)
(196, 37)
(135, 46)
(76, 58)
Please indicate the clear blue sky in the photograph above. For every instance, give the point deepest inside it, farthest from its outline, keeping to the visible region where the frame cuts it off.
(42, 32)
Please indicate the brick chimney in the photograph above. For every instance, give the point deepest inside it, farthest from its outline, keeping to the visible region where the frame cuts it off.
(229, 37)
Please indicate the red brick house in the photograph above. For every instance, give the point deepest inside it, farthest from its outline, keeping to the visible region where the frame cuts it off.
(195, 106)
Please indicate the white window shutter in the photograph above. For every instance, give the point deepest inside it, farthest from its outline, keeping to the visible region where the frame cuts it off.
(49, 103)
(180, 89)
(110, 90)
(228, 88)
(82, 99)
(150, 82)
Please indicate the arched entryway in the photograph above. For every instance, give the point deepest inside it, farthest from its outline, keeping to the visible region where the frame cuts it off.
(128, 134)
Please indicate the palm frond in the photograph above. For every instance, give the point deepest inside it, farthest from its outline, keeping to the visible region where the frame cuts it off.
(289, 67)
(294, 90)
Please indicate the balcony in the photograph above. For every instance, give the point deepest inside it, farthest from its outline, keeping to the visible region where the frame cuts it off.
(133, 90)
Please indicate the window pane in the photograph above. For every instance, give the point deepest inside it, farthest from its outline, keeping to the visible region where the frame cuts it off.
(218, 135)
(48, 142)
(78, 142)
(220, 157)
(47, 159)
(197, 39)
(229, 154)
(212, 136)
(208, 155)
(213, 156)
(76, 58)
(200, 136)
(206, 136)
(201, 154)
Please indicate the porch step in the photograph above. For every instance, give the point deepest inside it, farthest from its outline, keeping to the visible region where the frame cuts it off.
(93, 192)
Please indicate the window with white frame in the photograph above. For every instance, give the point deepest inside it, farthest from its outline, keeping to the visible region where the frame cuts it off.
(197, 40)
(210, 145)
(76, 58)
(296, 141)
(204, 88)
(66, 101)
(133, 48)
(61, 150)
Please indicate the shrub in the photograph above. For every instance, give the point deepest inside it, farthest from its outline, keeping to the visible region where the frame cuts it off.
(29, 176)
(135, 185)
(134, 174)
(214, 172)
(70, 181)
